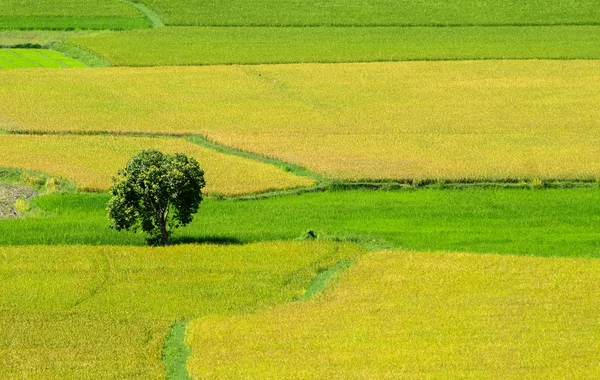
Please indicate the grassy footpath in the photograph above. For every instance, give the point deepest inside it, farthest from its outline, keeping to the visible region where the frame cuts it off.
(531, 222)
(253, 45)
(105, 312)
(375, 12)
(420, 315)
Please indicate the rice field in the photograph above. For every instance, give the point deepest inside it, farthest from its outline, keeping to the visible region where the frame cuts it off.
(419, 315)
(70, 14)
(105, 312)
(92, 161)
(410, 120)
(477, 121)
(173, 46)
(542, 222)
(34, 58)
(382, 12)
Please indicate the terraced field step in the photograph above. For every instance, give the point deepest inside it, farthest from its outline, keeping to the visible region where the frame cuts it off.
(32, 58)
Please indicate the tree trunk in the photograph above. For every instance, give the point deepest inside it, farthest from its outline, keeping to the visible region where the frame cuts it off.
(163, 231)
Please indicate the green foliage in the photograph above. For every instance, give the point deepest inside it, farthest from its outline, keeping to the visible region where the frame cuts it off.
(251, 45)
(157, 193)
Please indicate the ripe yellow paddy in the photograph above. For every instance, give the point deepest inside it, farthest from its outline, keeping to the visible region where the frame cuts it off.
(104, 312)
(405, 120)
(415, 315)
(92, 161)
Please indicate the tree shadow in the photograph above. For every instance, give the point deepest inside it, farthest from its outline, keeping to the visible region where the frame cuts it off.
(222, 240)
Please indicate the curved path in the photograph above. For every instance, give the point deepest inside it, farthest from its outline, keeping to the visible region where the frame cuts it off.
(150, 14)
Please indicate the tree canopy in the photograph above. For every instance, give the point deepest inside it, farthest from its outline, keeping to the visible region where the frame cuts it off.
(157, 193)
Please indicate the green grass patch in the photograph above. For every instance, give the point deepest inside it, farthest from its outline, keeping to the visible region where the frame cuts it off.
(82, 55)
(107, 312)
(176, 352)
(545, 222)
(380, 12)
(41, 182)
(33, 58)
(324, 278)
(247, 45)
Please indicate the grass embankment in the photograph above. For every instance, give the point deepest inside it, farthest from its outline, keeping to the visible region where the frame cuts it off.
(253, 45)
(105, 312)
(386, 12)
(420, 315)
(91, 161)
(529, 222)
(32, 58)
(9, 38)
(74, 14)
(425, 120)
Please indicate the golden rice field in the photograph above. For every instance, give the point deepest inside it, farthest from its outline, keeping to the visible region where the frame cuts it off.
(446, 120)
(103, 312)
(420, 315)
(92, 161)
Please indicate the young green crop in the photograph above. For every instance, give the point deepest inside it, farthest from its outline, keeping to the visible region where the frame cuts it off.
(72, 14)
(527, 222)
(104, 312)
(374, 12)
(173, 46)
(420, 315)
(30, 58)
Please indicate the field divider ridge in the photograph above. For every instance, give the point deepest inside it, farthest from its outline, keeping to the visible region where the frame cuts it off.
(82, 55)
(324, 183)
(154, 18)
(375, 25)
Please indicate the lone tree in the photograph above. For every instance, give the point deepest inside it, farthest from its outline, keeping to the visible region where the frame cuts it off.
(157, 193)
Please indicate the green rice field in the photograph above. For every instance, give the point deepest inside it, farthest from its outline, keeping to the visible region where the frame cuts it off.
(32, 58)
(253, 45)
(394, 189)
(371, 12)
(542, 222)
(69, 14)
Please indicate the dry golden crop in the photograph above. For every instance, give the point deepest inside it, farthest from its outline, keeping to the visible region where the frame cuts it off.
(91, 161)
(420, 315)
(103, 312)
(441, 120)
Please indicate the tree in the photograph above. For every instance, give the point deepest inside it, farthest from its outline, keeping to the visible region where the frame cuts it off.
(157, 193)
